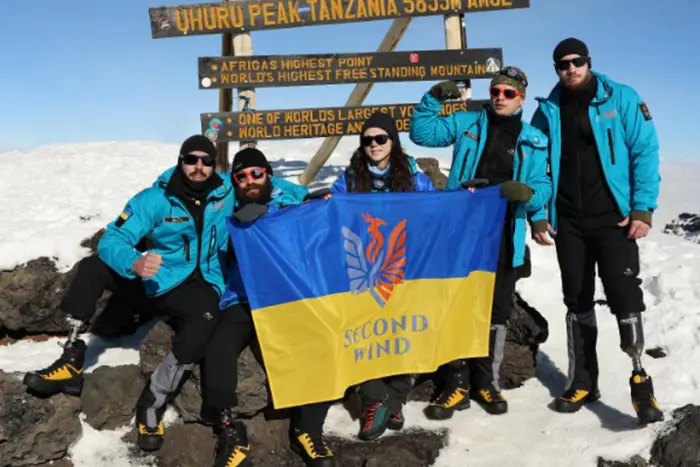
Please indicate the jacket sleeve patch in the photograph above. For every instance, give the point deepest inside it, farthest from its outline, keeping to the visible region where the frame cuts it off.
(645, 111)
(123, 217)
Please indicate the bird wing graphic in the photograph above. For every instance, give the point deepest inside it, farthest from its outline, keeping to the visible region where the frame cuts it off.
(355, 259)
(394, 265)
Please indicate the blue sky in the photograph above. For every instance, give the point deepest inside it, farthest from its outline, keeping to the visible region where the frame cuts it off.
(79, 70)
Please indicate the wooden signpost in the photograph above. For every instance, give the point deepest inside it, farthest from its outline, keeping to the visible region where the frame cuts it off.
(238, 68)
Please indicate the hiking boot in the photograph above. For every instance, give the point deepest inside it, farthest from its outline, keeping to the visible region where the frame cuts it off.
(149, 421)
(312, 449)
(64, 375)
(232, 448)
(396, 421)
(373, 422)
(490, 399)
(449, 400)
(643, 400)
(574, 398)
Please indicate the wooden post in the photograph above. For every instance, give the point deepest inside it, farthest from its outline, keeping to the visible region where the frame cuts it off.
(225, 105)
(456, 38)
(357, 97)
(243, 46)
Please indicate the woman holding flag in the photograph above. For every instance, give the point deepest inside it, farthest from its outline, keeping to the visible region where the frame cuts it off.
(380, 165)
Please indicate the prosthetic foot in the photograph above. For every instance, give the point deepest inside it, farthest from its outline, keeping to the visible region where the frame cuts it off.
(232, 447)
(65, 374)
(455, 395)
(641, 386)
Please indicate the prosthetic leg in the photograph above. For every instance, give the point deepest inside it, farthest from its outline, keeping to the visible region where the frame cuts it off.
(641, 387)
(65, 374)
(454, 396)
(232, 447)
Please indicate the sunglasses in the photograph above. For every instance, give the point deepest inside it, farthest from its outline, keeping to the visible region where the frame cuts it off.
(191, 159)
(249, 175)
(578, 63)
(514, 73)
(380, 139)
(507, 93)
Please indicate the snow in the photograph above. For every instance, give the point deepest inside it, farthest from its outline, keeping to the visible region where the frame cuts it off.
(76, 189)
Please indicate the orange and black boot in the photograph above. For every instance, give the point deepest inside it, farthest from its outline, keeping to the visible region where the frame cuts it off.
(643, 400)
(64, 375)
(149, 420)
(491, 399)
(374, 420)
(232, 447)
(485, 374)
(312, 448)
(455, 395)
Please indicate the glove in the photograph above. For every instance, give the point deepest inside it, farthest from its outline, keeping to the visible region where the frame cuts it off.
(317, 194)
(641, 216)
(445, 90)
(539, 226)
(250, 212)
(516, 191)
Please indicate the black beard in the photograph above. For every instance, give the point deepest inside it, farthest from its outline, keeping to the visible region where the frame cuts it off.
(263, 197)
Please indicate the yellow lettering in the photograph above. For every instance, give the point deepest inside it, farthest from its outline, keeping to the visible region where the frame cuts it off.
(294, 12)
(182, 21)
(421, 6)
(282, 14)
(312, 7)
(373, 8)
(196, 19)
(210, 18)
(392, 10)
(324, 14)
(268, 14)
(348, 12)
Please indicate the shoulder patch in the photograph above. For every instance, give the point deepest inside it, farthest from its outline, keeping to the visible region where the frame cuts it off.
(123, 217)
(645, 111)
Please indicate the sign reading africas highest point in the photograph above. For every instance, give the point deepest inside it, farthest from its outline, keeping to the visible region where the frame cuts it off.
(302, 70)
(310, 123)
(217, 18)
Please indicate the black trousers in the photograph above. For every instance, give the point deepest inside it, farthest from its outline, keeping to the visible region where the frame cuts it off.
(392, 389)
(506, 276)
(191, 308)
(234, 332)
(583, 243)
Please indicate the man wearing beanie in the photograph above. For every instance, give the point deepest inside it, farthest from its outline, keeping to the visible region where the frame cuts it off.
(604, 160)
(182, 217)
(257, 191)
(497, 145)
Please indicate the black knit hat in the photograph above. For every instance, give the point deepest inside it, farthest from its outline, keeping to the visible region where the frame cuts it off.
(568, 47)
(198, 143)
(385, 122)
(250, 157)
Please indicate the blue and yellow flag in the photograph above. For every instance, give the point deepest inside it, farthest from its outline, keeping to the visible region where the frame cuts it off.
(369, 285)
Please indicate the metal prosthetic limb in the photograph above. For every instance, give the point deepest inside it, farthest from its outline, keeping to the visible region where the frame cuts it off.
(76, 324)
(632, 338)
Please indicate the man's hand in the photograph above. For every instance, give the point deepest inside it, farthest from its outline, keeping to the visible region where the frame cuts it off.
(147, 266)
(541, 231)
(639, 224)
(445, 90)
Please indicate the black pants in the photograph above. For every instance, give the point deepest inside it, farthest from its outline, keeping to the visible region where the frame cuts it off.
(506, 276)
(586, 242)
(392, 389)
(191, 308)
(234, 332)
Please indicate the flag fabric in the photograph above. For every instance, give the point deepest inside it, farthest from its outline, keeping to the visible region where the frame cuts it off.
(363, 286)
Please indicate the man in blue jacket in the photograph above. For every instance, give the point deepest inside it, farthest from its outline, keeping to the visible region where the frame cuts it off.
(182, 217)
(604, 161)
(257, 191)
(494, 144)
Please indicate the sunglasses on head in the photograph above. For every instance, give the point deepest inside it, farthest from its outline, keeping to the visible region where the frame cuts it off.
(507, 93)
(380, 139)
(578, 63)
(250, 174)
(514, 73)
(191, 159)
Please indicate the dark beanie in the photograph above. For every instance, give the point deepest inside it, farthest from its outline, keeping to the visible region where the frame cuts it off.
(385, 122)
(249, 157)
(568, 47)
(198, 143)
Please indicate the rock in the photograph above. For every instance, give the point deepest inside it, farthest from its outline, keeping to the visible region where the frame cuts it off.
(686, 226)
(656, 352)
(110, 394)
(431, 167)
(679, 446)
(34, 431)
(187, 445)
(635, 461)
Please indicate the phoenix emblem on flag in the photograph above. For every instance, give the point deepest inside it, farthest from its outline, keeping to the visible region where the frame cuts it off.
(379, 266)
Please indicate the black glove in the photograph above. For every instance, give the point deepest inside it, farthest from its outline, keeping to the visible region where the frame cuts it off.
(250, 212)
(445, 90)
(316, 194)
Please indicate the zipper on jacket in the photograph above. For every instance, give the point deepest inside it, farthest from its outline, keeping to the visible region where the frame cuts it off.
(187, 247)
(612, 147)
(464, 166)
(212, 243)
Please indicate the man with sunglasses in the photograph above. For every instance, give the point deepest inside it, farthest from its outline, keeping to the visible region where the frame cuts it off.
(604, 161)
(257, 192)
(182, 216)
(497, 146)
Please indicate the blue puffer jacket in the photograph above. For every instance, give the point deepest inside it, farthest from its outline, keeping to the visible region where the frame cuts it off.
(284, 193)
(467, 131)
(421, 182)
(162, 218)
(626, 140)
